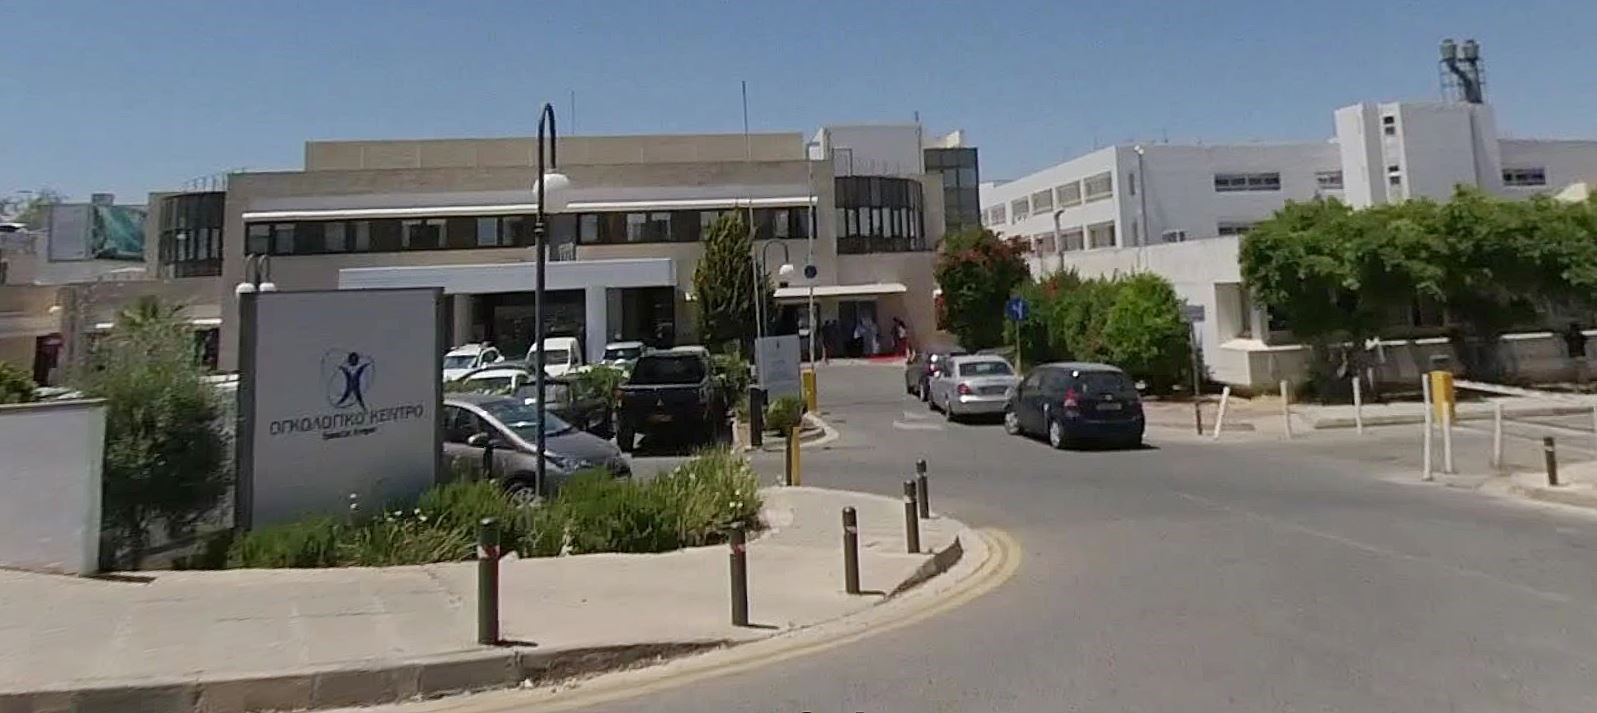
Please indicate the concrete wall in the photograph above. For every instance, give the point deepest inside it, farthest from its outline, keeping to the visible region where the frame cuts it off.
(1358, 138)
(573, 150)
(50, 486)
(1566, 162)
(875, 150)
(1438, 148)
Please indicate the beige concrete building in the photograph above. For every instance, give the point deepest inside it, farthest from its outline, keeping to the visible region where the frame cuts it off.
(863, 205)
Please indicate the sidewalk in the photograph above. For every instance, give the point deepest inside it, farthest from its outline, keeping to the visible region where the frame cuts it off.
(1577, 485)
(1408, 412)
(251, 639)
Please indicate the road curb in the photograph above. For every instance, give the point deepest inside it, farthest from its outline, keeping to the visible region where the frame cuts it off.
(940, 562)
(430, 677)
(1576, 498)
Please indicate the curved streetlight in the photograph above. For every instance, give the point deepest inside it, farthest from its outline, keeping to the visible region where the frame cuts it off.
(550, 187)
(785, 271)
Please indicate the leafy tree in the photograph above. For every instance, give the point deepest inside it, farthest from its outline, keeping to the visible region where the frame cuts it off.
(978, 271)
(15, 385)
(724, 285)
(164, 449)
(1143, 332)
(30, 210)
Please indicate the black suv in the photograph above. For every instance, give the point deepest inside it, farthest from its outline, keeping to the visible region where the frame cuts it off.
(671, 391)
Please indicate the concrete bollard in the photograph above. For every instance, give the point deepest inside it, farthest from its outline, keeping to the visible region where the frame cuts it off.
(1219, 416)
(1497, 434)
(1447, 441)
(737, 539)
(487, 582)
(1425, 453)
(911, 519)
(1550, 456)
(1358, 406)
(921, 485)
(1286, 408)
(850, 551)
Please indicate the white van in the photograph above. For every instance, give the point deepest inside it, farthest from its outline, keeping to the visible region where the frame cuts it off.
(561, 355)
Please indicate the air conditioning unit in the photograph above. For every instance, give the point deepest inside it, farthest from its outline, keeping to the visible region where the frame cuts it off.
(1174, 236)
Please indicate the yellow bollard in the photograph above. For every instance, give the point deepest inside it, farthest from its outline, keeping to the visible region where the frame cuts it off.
(1443, 395)
(797, 472)
(810, 396)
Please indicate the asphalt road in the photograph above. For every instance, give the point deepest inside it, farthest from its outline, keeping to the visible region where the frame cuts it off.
(1193, 576)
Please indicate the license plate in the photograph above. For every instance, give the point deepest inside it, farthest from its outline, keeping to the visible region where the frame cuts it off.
(1108, 407)
(660, 418)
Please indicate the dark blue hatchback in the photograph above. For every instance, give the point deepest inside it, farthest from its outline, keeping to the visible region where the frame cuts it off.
(1076, 402)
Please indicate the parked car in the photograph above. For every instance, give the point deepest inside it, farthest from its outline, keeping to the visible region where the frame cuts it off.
(467, 357)
(472, 422)
(972, 386)
(1074, 402)
(622, 355)
(671, 391)
(918, 370)
(561, 355)
(587, 411)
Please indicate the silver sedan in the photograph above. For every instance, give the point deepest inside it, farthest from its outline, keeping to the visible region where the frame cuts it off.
(972, 385)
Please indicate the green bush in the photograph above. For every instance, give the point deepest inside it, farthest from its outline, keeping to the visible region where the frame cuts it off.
(594, 512)
(15, 386)
(1143, 332)
(732, 375)
(312, 542)
(784, 414)
(601, 381)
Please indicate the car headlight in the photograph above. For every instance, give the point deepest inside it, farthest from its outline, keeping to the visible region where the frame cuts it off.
(565, 463)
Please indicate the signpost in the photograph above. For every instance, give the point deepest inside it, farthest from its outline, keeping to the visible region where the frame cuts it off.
(339, 394)
(776, 359)
(1016, 310)
(1193, 314)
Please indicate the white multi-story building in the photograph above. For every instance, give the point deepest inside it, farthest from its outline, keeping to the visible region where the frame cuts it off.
(1124, 208)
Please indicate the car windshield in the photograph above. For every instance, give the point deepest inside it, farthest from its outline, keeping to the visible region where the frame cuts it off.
(985, 368)
(459, 361)
(555, 356)
(522, 418)
(683, 369)
(490, 384)
(623, 352)
(1103, 382)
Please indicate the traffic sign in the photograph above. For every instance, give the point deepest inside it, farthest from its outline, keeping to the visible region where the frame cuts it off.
(1016, 309)
(810, 272)
(1191, 313)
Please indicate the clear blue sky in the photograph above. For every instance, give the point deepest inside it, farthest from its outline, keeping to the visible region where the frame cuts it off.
(136, 96)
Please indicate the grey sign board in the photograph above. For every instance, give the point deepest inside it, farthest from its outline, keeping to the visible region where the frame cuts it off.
(339, 393)
(777, 361)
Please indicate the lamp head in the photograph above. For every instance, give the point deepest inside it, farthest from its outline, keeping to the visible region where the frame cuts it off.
(555, 185)
(786, 270)
(244, 288)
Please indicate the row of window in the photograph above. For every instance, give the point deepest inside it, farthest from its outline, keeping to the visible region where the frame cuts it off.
(190, 234)
(1091, 237)
(1232, 182)
(1092, 188)
(395, 235)
(1524, 176)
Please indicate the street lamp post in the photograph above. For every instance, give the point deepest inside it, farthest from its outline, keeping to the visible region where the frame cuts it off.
(786, 270)
(809, 261)
(549, 187)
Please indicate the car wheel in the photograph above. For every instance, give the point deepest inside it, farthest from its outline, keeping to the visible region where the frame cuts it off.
(521, 491)
(1056, 434)
(1011, 422)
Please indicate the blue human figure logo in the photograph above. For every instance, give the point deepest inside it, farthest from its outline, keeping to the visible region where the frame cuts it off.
(348, 378)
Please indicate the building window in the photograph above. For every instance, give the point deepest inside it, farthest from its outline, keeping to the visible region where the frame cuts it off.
(1020, 208)
(335, 237)
(422, 234)
(1000, 215)
(190, 238)
(1524, 176)
(1101, 235)
(879, 214)
(1173, 236)
(1233, 182)
(1098, 187)
(1069, 194)
(1389, 125)
(1328, 180)
(1042, 201)
(1394, 175)
(1071, 240)
(487, 232)
(1131, 183)
(1228, 228)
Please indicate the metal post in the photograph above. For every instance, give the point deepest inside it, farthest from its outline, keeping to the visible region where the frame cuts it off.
(1192, 329)
(1550, 455)
(1219, 416)
(1286, 408)
(911, 521)
(790, 450)
(1358, 405)
(1497, 434)
(1593, 418)
(1447, 439)
(921, 495)
(740, 575)
(541, 248)
(488, 460)
(487, 582)
(756, 416)
(850, 551)
(1425, 388)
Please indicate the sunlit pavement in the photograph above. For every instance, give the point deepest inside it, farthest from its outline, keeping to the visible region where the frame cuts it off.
(1255, 575)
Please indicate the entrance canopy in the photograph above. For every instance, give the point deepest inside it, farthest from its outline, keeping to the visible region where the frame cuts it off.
(870, 289)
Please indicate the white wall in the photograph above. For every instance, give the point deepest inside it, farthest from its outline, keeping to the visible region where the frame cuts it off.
(875, 150)
(50, 486)
(1358, 138)
(1084, 214)
(1437, 148)
(1566, 162)
(1180, 183)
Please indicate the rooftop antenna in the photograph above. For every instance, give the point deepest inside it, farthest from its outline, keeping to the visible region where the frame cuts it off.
(1463, 72)
(573, 116)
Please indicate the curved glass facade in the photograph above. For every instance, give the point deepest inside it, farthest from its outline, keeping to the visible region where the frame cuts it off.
(191, 234)
(877, 214)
